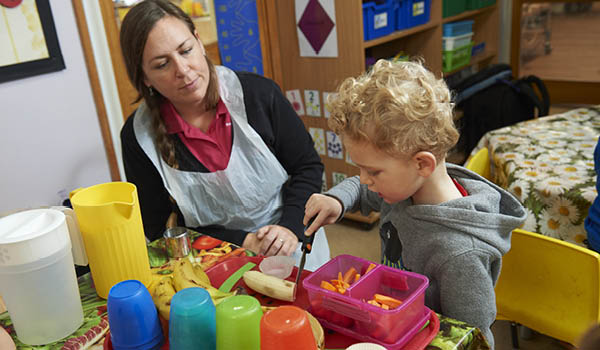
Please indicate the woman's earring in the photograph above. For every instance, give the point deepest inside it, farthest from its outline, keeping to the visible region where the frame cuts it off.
(151, 90)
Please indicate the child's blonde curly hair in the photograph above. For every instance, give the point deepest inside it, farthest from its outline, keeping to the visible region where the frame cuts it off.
(400, 108)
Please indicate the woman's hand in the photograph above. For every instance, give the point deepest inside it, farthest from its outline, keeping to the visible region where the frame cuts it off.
(251, 243)
(276, 240)
(325, 209)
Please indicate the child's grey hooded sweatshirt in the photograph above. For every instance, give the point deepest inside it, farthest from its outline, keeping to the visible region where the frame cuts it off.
(458, 244)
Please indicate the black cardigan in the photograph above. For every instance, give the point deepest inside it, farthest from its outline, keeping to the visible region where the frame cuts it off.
(273, 118)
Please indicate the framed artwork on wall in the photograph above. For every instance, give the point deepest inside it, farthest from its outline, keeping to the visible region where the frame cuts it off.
(28, 42)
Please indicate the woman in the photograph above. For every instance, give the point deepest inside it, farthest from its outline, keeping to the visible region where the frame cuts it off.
(224, 150)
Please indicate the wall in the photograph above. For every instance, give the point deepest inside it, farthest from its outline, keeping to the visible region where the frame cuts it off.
(50, 141)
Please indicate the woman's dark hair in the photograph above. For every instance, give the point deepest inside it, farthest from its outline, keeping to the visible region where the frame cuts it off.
(135, 29)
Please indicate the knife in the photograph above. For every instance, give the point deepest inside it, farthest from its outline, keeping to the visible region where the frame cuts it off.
(307, 242)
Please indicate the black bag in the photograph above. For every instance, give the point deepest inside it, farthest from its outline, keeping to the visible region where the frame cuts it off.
(501, 102)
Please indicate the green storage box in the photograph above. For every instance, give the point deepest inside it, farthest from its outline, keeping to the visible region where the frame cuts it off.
(454, 7)
(456, 58)
(477, 4)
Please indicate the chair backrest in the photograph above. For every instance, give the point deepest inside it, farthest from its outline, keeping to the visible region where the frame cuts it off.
(550, 286)
(480, 163)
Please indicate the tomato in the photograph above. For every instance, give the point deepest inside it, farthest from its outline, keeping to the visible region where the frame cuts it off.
(206, 243)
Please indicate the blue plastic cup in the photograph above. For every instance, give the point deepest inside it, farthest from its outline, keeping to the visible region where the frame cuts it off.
(132, 317)
(192, 323)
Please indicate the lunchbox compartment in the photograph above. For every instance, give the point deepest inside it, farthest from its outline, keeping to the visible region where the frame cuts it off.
(390, 325)
(330, 270)
(351, 314)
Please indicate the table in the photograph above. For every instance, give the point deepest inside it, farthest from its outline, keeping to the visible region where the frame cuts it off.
(453, 334)
(548, 164)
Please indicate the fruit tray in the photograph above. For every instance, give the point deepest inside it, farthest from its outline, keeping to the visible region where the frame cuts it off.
(218, 273)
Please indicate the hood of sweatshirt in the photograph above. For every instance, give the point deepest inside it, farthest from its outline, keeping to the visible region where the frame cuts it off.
(489, 212)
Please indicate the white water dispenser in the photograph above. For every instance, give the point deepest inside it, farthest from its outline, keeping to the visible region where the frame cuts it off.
(37, 275)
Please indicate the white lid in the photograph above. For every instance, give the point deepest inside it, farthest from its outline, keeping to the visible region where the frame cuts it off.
(31, 235)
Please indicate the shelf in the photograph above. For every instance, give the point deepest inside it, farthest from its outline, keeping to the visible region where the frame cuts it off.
(400, 34)
(485, 55)
(468, 14)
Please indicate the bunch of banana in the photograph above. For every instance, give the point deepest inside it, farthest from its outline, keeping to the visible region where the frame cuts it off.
(186, 275)
(162, 291)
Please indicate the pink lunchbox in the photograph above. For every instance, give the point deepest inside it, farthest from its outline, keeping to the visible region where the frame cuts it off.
(350, 314)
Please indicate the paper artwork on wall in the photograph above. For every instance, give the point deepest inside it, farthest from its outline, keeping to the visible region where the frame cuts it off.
(315, 24)
(296, 101)
(325, 99)
(318, 136)
(238, 34)
(324, 184)
(349, 160)
(313, 104)
(337, 178)
(334, 146)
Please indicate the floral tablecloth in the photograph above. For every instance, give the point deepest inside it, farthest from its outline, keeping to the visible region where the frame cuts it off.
(453, 334)
(548, 164)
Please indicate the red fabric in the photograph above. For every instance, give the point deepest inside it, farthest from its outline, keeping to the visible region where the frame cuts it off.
(212, 148)
(460, 188)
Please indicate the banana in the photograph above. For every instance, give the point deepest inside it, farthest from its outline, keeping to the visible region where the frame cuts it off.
(163, 291)
(154, 279)
(201, 274)
(271, 286)
(186, 276)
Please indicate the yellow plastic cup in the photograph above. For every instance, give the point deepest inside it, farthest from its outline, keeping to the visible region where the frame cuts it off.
(113, 235)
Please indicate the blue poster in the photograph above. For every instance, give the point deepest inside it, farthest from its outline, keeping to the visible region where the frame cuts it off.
(238, 33)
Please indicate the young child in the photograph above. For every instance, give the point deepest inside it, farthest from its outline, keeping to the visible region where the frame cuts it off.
(437, 219)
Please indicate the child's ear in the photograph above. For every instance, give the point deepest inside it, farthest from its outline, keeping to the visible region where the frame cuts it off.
(425, 163)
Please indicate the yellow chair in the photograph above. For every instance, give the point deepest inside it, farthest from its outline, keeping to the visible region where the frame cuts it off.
(480, 163)
(550, 286)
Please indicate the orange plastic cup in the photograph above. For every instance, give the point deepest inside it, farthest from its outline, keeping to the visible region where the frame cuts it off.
(286, 327)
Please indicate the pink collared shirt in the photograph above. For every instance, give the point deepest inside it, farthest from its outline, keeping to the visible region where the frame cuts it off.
(212, 148)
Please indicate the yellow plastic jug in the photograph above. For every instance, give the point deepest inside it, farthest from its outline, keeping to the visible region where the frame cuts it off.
(111, 225)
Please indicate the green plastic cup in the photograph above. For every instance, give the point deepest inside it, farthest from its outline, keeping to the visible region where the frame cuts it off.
(238, 323)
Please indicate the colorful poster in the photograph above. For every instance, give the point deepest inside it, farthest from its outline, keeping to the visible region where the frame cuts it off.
(315, 23)
(334, 146)
(238, 35)
(318, 136)
(338, 177)
(296, 101)
(313, 104)
(21, 34)
(326, 97)
(28, 41)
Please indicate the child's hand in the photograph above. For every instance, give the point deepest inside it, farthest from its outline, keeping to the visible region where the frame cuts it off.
(326, 209)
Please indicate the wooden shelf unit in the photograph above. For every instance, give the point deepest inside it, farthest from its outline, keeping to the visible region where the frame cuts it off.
(284, 64)
(468, 14)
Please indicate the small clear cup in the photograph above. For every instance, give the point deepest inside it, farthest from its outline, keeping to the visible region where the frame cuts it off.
(279, 266)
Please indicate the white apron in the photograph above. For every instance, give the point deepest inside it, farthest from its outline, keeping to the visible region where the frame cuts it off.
(247, 194)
